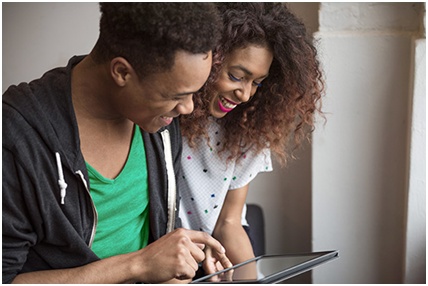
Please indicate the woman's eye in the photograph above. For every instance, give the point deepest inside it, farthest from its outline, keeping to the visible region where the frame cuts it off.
(258, 84)
(234, 78)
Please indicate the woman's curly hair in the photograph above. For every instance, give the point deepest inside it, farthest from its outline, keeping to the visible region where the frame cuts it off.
(148, 35)
(281, 113)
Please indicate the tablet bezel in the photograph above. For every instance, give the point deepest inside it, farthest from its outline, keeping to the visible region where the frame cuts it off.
(287, 273)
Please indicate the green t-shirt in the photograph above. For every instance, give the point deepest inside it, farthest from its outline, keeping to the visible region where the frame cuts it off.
(122, 205)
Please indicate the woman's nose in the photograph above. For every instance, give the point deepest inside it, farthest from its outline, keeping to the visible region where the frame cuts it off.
(245, 92)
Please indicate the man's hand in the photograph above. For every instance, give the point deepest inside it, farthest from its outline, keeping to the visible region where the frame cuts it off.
(176, 256)
(173, 256)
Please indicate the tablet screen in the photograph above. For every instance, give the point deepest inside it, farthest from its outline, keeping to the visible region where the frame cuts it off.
(269, 268)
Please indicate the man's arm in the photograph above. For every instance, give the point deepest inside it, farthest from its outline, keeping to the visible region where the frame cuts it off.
(173, 256)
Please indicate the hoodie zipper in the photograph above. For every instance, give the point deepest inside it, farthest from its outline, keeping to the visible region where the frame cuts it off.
(94, 210)
(63, 186)
(171, 181)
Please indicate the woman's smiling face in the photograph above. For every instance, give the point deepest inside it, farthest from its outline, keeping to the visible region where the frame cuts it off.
(242, 73)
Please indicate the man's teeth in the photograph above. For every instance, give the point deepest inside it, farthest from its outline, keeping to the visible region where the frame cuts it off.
(226, 103)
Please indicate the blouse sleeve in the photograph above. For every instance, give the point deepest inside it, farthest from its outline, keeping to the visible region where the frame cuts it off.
(248, 166)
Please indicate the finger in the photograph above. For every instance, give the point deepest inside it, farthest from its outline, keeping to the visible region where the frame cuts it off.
(215, 278)
(224, 260)
(209, 261)
(188, 255)
(201, 245)
(196, 252)
(205, 238)
(186, 268)
(209, 266)
(223, 263)
(194, 248)
(194, 257)
(219, 266)
(228, 275)
(212, 266)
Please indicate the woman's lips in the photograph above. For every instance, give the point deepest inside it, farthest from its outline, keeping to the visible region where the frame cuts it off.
(226, 105)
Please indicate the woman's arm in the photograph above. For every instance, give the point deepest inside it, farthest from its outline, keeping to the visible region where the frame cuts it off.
(231, 234)
(229, 230)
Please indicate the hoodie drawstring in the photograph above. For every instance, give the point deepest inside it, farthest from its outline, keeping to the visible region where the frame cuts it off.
(171, 180)
(61, 182)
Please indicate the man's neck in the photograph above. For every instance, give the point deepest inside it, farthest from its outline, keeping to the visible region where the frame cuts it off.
(92, 88)
(105, 135)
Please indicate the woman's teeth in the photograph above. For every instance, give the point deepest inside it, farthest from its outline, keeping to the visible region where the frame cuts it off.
(227, 104)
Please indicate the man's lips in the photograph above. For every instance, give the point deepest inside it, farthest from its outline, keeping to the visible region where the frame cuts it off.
(167, 119)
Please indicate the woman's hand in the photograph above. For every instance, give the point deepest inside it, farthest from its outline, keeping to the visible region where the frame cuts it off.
(215, 262)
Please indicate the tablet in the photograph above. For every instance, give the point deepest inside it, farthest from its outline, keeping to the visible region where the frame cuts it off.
(269, 268)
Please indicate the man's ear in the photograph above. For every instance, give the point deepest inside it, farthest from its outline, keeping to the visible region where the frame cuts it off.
(121, 71)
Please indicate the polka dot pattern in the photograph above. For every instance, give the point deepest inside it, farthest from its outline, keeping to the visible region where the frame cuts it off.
(208, 179)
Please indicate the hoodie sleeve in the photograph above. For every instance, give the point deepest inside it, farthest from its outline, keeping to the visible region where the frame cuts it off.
(18, 234)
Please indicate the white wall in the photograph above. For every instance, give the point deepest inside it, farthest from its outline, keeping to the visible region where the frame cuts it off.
(39, 36)
(415, 260)
(359, 162)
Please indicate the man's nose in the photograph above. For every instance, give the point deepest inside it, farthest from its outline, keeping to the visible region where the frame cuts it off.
(186, 105)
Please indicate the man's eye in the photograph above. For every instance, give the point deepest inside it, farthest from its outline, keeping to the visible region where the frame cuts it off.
(234, 78)
(181, 98)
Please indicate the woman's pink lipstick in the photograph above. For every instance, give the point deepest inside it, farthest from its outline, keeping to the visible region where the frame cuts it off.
(222, 107)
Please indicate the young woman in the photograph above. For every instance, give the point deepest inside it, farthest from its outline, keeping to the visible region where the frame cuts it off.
(263, 92)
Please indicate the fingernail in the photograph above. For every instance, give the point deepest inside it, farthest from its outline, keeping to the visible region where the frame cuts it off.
(223, 250)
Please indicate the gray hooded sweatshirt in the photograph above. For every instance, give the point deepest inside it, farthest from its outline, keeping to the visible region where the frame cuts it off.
(49, 219)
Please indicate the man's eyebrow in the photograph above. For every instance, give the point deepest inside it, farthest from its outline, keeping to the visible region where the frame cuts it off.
(185, 93)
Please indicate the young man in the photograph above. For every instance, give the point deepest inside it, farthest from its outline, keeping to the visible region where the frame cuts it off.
(88, 181)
